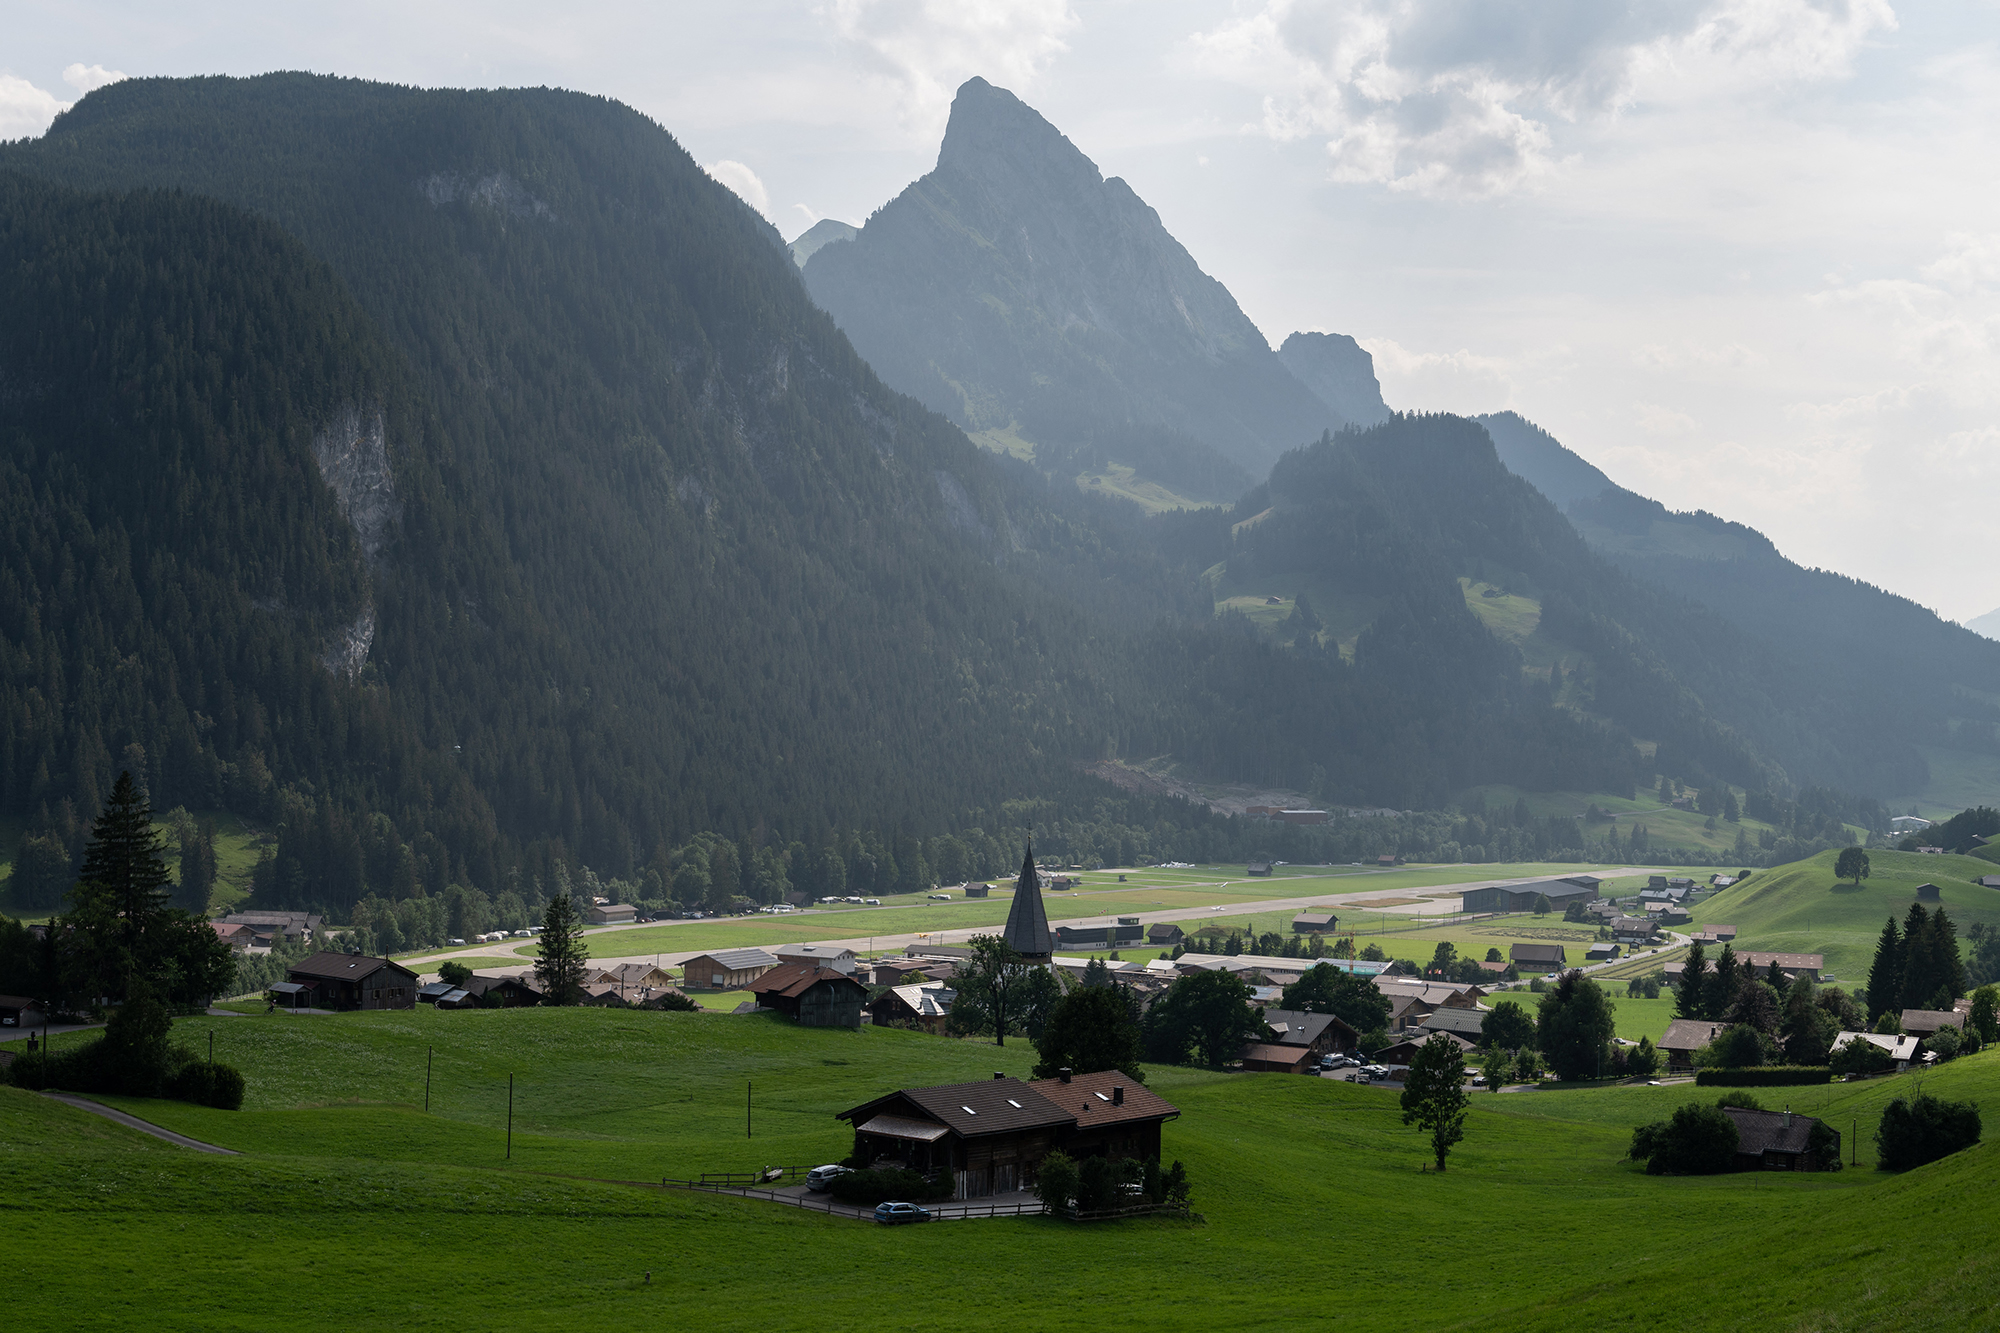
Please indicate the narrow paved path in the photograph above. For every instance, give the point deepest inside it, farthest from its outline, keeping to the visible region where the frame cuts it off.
(134, 1122)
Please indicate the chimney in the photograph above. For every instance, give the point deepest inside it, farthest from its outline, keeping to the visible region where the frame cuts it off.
(1065, 1075)
(998, 1074)
(1788, 1117)
(1118, 1095)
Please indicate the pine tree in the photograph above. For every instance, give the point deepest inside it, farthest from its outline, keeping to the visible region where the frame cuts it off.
(124, 867)
(1885, 974)
(1720, 991)
(1691, 1000)
(559, 970)
(1918, 981)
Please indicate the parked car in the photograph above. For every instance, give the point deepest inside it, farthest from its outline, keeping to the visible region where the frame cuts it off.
(1375, 1071)
(1479, 1080)
(939, 897)
(891, 1213)
(821, 1177)
(871, 902)
(454, 942)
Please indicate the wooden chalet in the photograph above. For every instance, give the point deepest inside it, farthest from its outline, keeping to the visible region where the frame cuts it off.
(1538, 957)
(812, 995)
(1924, 1024)
(1317, 921)
(1778, 1141)
(505, 992)
(1164, 934)
(353, 981)
(991, 1136)
(1793, 965)
(726, 969)
(1294, 1041)
(925, 1007)
(1685, 1036)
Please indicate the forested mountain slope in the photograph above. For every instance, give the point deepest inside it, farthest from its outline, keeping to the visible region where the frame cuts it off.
(1895, 674)
(1017, 290)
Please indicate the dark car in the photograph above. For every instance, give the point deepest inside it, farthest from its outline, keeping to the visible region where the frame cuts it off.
(891, 1213)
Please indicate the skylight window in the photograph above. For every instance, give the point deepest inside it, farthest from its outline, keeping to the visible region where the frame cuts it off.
(1100, 1096)
(1011, 1102)
(967, 1109)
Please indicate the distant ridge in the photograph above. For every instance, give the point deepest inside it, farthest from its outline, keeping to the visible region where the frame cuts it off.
(1340, 371)
(824, 232)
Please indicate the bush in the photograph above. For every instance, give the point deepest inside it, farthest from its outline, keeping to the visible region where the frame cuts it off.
(1697, 1141)
(1945, 1043)
(1763, 1076)
(867, 1188)
(1861, 1057)
(1923, 1129)
(99, 1068)
(1644, 1060)
(1739, 1099)
(1735, 1048)
(205, 1084)
(1056, 1183)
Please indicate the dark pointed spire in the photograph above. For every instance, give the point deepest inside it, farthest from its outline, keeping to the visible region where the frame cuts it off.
(1027, 931)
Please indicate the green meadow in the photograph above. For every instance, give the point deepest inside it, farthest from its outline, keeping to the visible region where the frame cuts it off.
(1803, 908)
(352, 1206)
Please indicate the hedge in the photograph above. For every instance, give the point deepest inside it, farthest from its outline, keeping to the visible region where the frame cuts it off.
(1761, 1076)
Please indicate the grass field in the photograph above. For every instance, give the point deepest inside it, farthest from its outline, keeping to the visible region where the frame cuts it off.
(236, 847)
(1802, 908)
(1665, 826)
(1958, 782)
(352, 1207)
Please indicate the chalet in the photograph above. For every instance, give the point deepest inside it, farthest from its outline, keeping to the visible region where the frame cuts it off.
(909, 971)
(1404, 1052)
(1930, 851)
(1538, 957)
(1104, 933)
(1793, 965)
(1928, 893)
(1601, 953)
(1681, 882)
(434, 991)
(1900, 1047)
(503, 991)
(925, 1007)
(237, 937)
(1633, 929)
(1673, 914)
(278, 925)
(1164, 935)
(1294, 1038)
(826, 955)
(604, 995)
(1316, 922)
(611, 914)
(1989, 882)
(14, 1010)
(813, 995)
(354, 981)
(1685, 1036)
(1924, 1024)
(1656, 881)
(726, 969)
(1715, 934)
(635, 977)
(1258, 869)
(973, 889)
(993, 1134)
(1521, 897)
(1779, 1141)
(1467, 1023)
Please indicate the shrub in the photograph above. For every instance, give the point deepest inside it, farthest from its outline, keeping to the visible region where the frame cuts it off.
(1096, 1184)
(1763, 1076)
(1945, 1043)
(205, 1084)
(1697, 1141)
(1739, 1099)
(1923, 1129)
(867, 1188)
(1860, 1057)
(1735, 1048)
(1056, 1184)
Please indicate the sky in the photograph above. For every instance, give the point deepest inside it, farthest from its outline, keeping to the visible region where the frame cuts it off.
(1743, 255)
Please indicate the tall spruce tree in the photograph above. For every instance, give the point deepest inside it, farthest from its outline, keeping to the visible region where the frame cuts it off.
(1916, 959)
(1720, 991)
(1885, 974)
(1691, 999)
(125, 867)
(564, 955)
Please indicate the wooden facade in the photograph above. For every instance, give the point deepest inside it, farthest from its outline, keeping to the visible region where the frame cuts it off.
(811, 995)
(353, 981)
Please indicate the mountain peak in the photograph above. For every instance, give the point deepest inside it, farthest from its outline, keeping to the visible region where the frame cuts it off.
(991, 130)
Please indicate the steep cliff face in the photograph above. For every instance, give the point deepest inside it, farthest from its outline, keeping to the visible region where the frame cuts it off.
(1340, 372)
(1016, 289)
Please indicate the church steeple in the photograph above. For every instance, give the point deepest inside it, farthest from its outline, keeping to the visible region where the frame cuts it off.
(1027, 931)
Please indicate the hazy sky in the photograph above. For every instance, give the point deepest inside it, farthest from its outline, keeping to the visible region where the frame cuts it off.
(1744, 255)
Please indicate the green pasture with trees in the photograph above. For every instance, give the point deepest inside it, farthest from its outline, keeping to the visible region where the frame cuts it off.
(333, 1129)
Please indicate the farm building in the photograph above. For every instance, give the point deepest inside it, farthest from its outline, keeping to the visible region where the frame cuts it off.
(353, 981)
(827, 955)
(511, 991)
(1403, 1052)
(1900, 1047)
(1928, 893)
(1467, 1023)
(1538, 957)
(1164, 934)
(1633, 929)
(1316, 922)
(1685, 1036)
(1258, 869)
(635, 977)
(974, 889)
(274, 925)
(813, 995)
(992, 1135)
(1924, 1024)
(925, 1007)
(1107, 932)
(1601, 953)
(611, 914)
(1297, 1041)
(1779, 1141)
(1714, 934)
(1521, 897)
(1793, 965)
(726, 969)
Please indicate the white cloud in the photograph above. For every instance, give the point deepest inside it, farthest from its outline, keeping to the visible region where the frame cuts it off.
(1470, 97)
(923, 49)
(89, 78)
(1655, 419)
(25, 110)
(744, 181)
(1460, 381)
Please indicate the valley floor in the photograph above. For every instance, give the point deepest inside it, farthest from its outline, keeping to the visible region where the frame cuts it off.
(351, 1206)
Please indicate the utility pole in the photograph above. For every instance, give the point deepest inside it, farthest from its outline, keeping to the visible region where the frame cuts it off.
(510, 1117)
(746, 1109)
(211, 1048)
(429, 1052)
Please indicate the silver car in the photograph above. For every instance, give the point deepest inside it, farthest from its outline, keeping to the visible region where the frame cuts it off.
(821, 1177)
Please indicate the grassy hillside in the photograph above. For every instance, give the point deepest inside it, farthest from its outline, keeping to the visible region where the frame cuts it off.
(1666, 827)
(1958, 781)
(421, 1217)
(1802, 908)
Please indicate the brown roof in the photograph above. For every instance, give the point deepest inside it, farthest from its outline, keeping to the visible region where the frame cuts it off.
(1689, 1034)
(1088, 1098)
(794, 979)
(972, 1110)
(1785, 961)
(1270, 1053)
(1758, 1132)
(345, 966)
(1302, 1029)
(1396, 1054)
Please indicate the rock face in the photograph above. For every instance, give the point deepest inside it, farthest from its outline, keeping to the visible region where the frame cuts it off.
(1340, 372)
(1014, 288)
(353, 457)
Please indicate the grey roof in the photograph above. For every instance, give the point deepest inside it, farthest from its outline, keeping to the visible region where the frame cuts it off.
(736, 960)
(344, 966)
(1296, 1028)
(1689, 1034)
(814, 951)
(1461, 1022)
(1536, 953)
(1931, 1020)
(1758, 1132)
(973, 1110)
(1027, 930)
(1631, 925)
